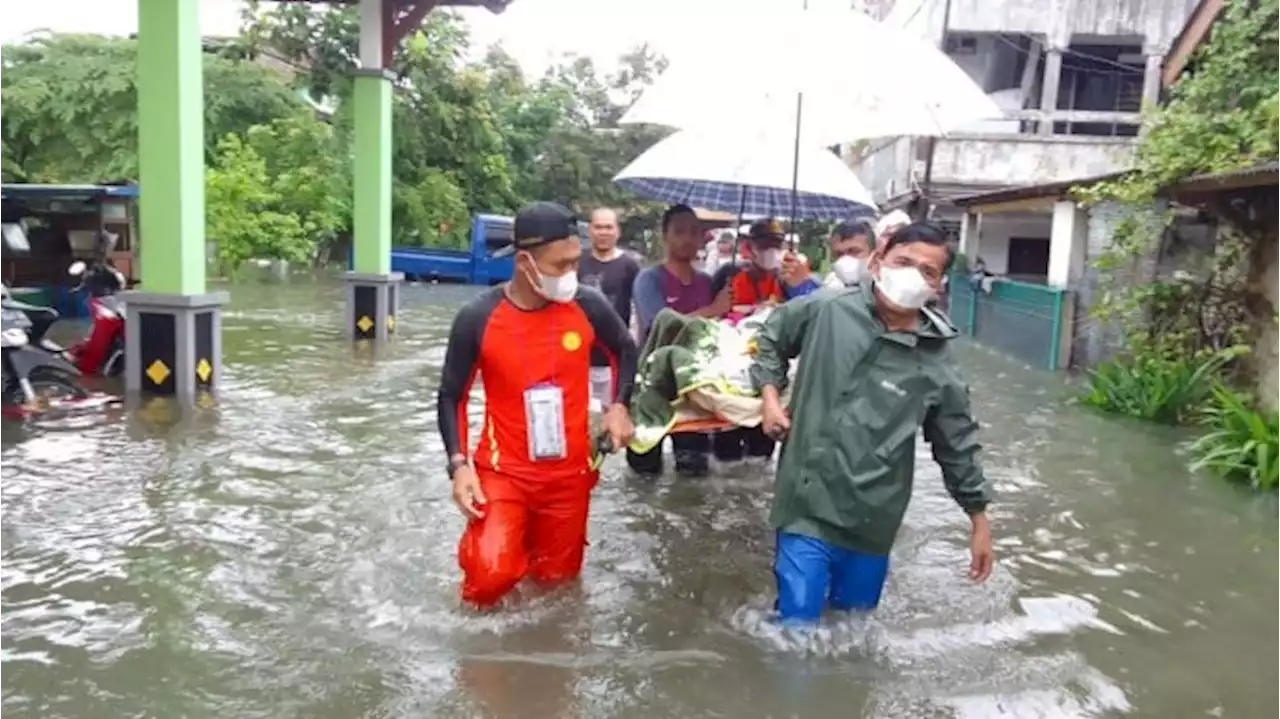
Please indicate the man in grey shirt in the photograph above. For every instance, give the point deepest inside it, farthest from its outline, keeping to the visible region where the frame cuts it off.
(613, 272)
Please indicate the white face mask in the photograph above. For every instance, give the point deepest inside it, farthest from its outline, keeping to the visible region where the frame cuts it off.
(904, 287)
(557, 289)
(848, 269)
(770, 259)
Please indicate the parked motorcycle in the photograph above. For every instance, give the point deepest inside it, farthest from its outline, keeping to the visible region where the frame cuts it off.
(102, 352)
(32, 375)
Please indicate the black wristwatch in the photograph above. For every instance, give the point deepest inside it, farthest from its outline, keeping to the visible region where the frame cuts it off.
(456, 462)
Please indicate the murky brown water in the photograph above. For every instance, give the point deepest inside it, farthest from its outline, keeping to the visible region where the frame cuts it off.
(289, 553)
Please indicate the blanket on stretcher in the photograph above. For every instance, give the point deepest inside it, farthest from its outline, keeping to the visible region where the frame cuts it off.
(693, 376)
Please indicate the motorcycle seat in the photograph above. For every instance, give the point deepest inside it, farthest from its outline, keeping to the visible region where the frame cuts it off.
(51, 346)
(29, 308)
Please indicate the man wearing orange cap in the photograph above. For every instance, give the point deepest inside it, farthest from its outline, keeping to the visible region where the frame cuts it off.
(770, 277)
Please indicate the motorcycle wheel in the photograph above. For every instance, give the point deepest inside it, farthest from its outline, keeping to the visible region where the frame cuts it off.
(48, 383)
(114, 364)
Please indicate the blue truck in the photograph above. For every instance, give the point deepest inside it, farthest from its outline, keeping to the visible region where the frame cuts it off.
(487, 262)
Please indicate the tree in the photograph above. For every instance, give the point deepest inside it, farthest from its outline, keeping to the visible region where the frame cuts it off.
(526, 113)
(277, 192)
(587, 147)
(70, 106)
(446, 135)
(241, 209)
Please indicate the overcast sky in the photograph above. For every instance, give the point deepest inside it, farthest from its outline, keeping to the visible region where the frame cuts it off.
(536, 32)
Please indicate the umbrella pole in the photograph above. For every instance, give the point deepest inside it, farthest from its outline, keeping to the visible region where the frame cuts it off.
(795, 159)
(795, 163)
(742, 210)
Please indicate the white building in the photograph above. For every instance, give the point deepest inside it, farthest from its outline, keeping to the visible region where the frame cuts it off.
(1072, 75)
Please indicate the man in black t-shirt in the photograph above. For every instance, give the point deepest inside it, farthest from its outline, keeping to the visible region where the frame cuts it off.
(612, 271)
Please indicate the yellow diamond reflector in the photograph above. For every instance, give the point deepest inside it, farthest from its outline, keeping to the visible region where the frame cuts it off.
(157, 372)
(364, 323)
(391, 322)
(204, 370)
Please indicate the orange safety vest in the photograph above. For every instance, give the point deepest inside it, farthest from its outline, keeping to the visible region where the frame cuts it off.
(749, 291)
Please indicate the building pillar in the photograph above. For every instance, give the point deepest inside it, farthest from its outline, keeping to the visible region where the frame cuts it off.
(1068, 244)
(969, 238)
(173, 338)
(1049, 88)
(1263, 273)
(1152, 77)
(372, 288)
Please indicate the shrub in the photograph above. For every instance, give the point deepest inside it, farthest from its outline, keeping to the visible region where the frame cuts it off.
(1156, 387)
(1242, 444)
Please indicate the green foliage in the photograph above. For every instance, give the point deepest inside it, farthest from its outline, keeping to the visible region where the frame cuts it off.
(241, 215)
(468, 138)
(276, 192)
(1241, 444)
(431, 214)
(446, 134)
(1164, 388)
(1221, 115)
(309, 171)
(70, 106)
(562, 133)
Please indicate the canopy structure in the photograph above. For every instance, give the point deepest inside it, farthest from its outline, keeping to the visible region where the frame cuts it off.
(401, 17)
(174, 342)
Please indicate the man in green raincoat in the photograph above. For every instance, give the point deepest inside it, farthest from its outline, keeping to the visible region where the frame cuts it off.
(874, 368)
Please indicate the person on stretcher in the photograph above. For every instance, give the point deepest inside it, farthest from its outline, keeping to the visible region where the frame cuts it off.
(525, 488)
(770, 277)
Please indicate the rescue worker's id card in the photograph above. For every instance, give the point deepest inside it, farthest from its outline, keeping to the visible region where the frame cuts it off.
(544, 422)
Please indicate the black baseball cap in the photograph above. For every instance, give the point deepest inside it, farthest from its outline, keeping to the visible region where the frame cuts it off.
(540, 223)
(766, 230)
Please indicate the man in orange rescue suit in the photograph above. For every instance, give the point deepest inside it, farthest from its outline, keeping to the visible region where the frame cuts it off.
(526, 488)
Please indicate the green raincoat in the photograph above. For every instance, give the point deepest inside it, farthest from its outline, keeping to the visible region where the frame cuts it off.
(861, 394)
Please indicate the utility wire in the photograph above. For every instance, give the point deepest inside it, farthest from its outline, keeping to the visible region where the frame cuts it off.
(1124, 69)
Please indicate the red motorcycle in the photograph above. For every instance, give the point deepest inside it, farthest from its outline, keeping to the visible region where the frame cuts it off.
(102, 352)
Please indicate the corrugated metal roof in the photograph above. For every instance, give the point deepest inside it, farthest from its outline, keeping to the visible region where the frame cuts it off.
(1031, 192)
(1258, 172)
(1255, 176)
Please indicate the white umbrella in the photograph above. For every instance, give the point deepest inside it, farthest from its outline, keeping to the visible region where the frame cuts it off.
(847, 76)
(747, 174)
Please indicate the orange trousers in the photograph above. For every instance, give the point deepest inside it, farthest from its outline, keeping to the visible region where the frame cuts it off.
(531, 527)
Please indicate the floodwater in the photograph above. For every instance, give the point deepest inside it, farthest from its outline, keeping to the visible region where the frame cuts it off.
(290, 553)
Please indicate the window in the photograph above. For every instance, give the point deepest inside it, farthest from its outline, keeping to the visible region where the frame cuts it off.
(962, 45)
(498, 235)
(15, 240)
(1028, 258)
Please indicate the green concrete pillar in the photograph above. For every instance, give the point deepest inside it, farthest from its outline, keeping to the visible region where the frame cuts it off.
(372, 175)
(171, 145)
(372, 288)
(173, 330)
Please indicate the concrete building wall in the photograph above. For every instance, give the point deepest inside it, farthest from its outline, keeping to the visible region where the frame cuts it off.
(1156, 22)
(994, 234)
(1028, 159)
(998, 154)
(986, 161)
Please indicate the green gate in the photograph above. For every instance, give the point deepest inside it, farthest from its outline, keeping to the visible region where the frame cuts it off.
(1021, 319)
